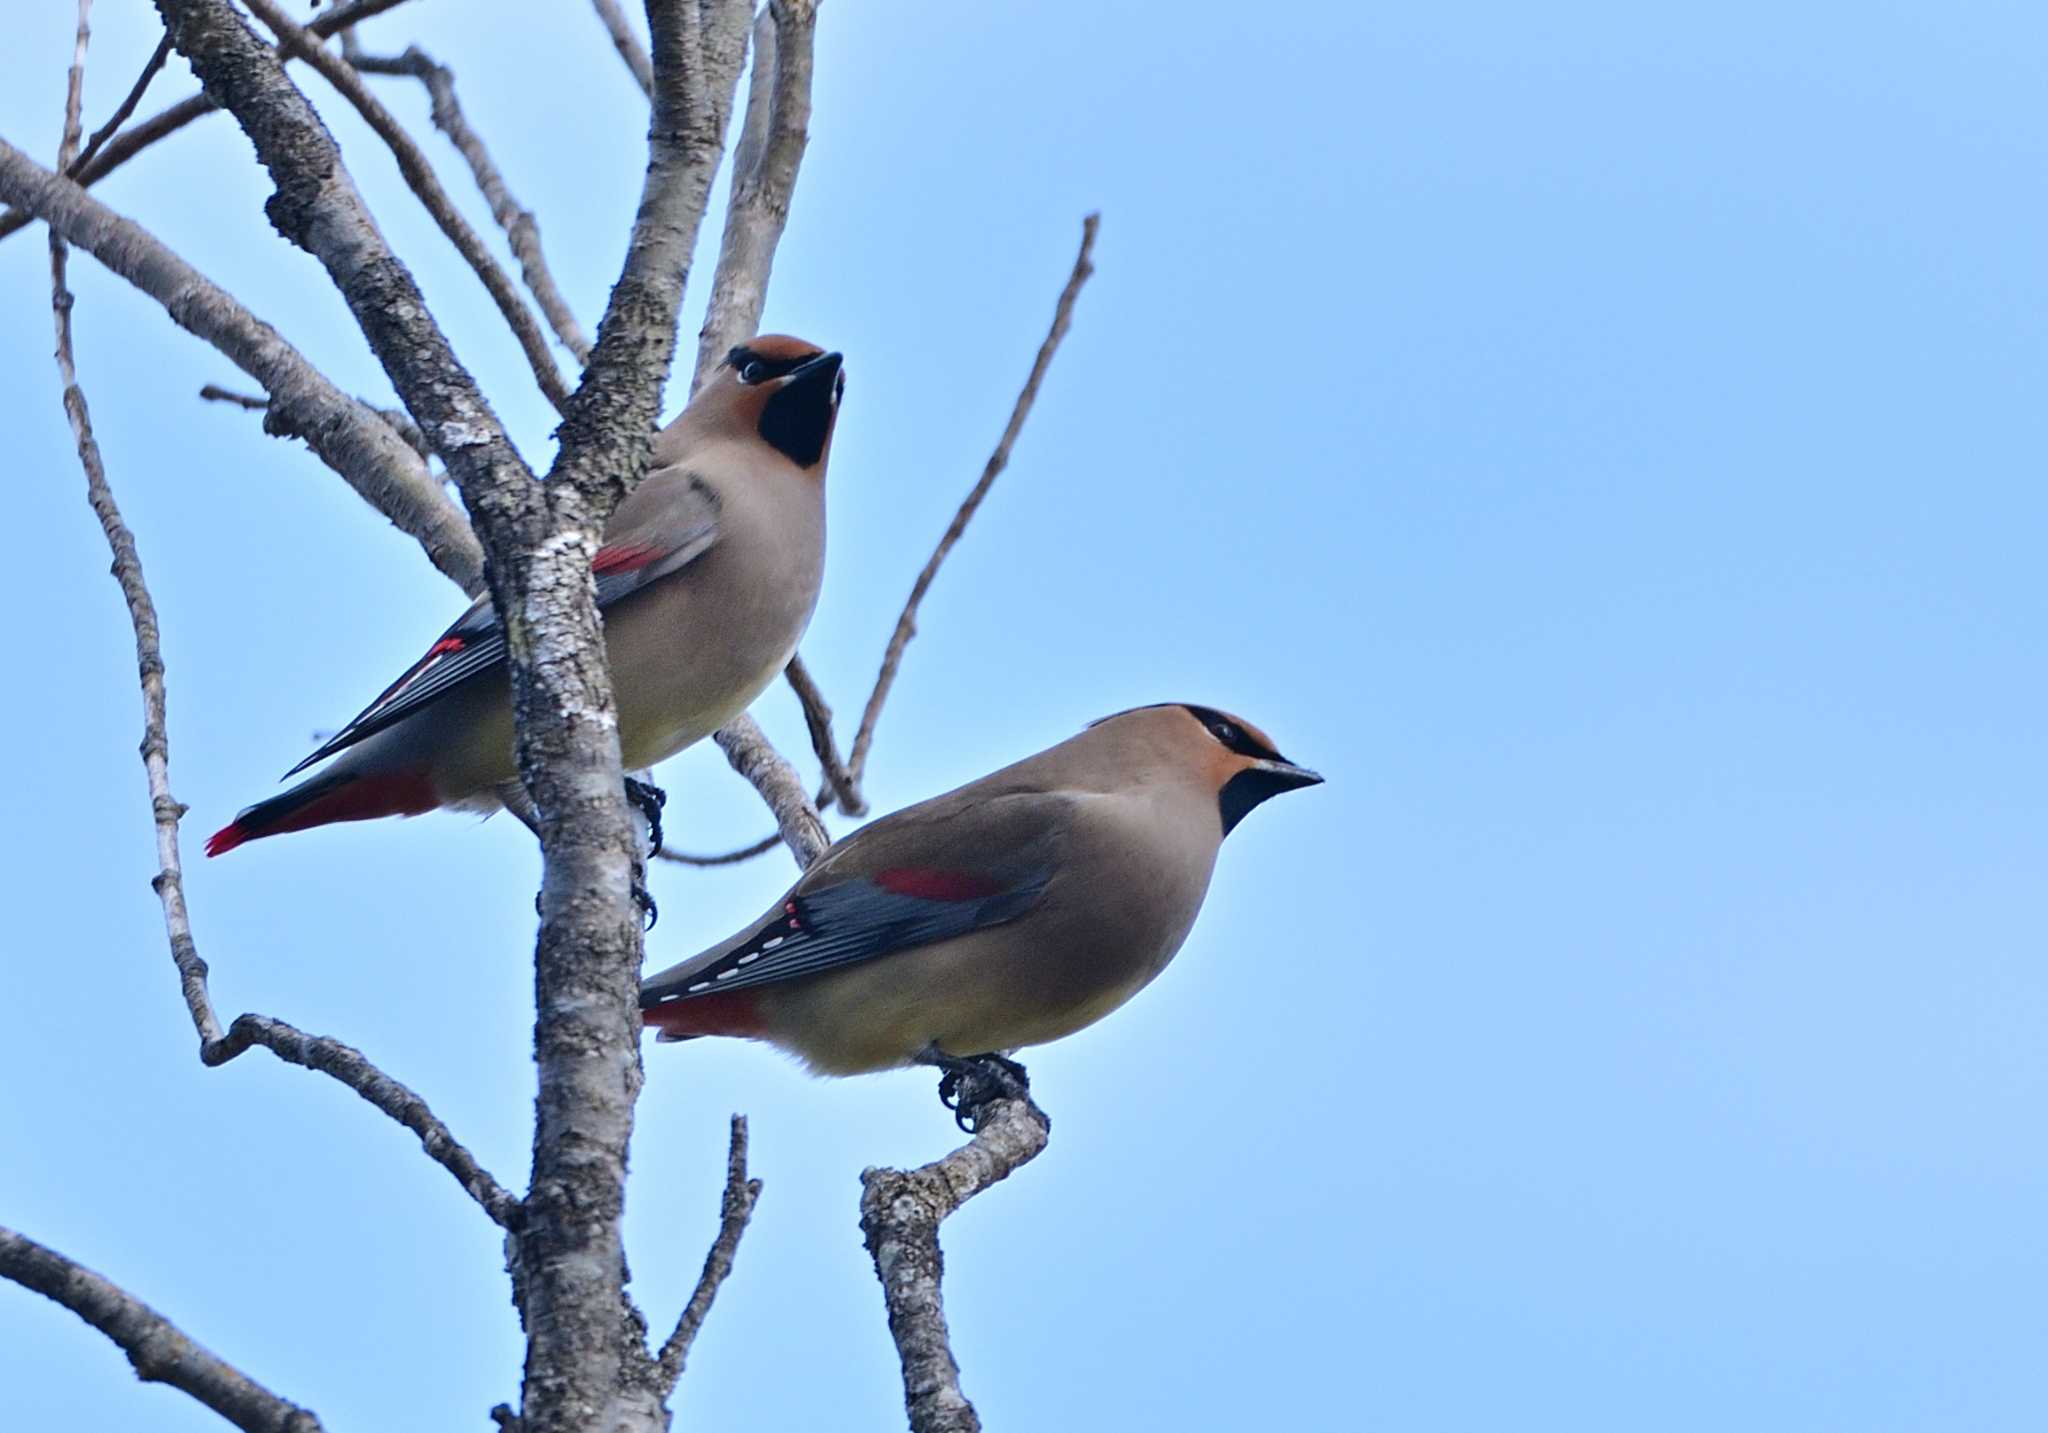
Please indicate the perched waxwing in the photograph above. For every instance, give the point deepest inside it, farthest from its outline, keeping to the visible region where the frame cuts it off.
(706, 579)
(1010, 912)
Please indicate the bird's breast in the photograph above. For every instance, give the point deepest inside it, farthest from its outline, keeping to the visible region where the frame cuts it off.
(691, 652)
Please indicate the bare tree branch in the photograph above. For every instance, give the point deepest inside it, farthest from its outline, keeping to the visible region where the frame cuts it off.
(818, 717)
(347, 16)
(120, 150)
(627, 44)
(328, 1056)
(316, 206)
(735, 1208)
(586, 1357)
(349, 1065)
(521, 231)
(900, 1214)
(295, 41)
(906, 625)
(159, 1350)
(729, 858)
(771, 774)
(121, 112)
(764, 172)
(90, 168)
(400, 420)
(348, 435)
(213, 393)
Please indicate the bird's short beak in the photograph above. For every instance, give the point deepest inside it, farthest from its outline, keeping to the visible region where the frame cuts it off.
(1286, 776)
(820, 370)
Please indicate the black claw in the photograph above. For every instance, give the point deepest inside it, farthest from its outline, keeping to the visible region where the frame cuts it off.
(968, 1084)
(642, 898)
(650, 799)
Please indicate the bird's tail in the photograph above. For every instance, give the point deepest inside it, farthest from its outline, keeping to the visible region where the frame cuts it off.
(730, 1012)
(337, 796)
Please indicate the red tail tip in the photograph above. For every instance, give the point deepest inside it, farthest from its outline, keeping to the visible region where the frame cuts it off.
(736, 1012)
(226, 839)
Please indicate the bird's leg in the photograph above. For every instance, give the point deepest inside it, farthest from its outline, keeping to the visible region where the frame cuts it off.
(970, 1083)
(650, 799)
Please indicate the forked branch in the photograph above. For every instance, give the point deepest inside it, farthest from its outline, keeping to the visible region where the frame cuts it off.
(900, 1214)
(349, 436)
(91, 167)
(294, 40)
(328, 1056)
(735, 1208)
(522, 232)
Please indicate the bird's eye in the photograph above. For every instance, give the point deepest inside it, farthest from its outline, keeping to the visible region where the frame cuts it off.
(754, 371)
(1223, 731)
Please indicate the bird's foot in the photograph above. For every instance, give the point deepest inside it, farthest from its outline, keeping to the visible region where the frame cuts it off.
(644, 898)
(968, 1084)
(650, 799)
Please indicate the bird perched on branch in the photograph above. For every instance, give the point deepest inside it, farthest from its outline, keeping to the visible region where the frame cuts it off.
(706, 578)
(1010, 912)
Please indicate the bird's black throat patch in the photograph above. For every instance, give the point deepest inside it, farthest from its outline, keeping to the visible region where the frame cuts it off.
(797, 418)
(1248, 789)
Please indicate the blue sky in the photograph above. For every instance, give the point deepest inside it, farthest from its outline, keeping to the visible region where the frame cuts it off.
(1604, 439)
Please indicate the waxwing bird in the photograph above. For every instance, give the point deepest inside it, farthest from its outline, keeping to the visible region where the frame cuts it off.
(706, 579)
(1010, 912)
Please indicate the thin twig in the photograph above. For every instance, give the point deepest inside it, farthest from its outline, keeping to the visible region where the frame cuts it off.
(169, 121)
(214, 393)
(521, 231)
(166, 808)
(349, 1065)
(316, 206)
(735, 1208)
(123, 147)
(727, 858)
(900, 1214)
(760, 763)
(348, 435)
(400, 420)
(327, 1056)
(295, 40)
(906, 625)
(627, 43)
(839, 781)
(121, 111)
(160, 1351)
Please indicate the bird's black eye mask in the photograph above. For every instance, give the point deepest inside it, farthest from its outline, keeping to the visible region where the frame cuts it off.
(754, 367)
(1233, 736)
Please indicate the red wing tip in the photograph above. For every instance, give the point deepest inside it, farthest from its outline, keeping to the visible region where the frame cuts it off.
(623, 558)
(936, 885)
(226, 839)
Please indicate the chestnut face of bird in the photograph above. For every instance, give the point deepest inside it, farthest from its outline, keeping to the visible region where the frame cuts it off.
(785, 389)
(1238, 761)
